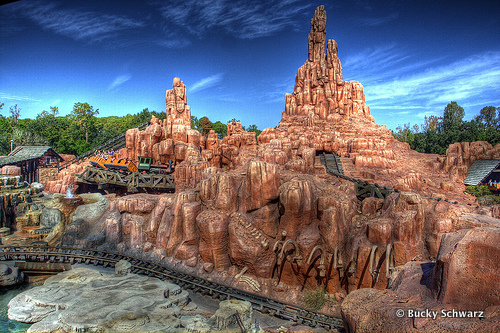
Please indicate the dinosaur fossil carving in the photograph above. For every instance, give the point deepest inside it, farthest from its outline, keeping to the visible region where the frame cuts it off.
(321, 266)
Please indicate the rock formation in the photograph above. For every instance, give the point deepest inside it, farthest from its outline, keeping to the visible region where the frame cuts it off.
(10, 276)
(83, 300)
(320, 92)
(457, 293)
(271, 211)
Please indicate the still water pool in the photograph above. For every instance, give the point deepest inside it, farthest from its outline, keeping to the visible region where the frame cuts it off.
(6, 294)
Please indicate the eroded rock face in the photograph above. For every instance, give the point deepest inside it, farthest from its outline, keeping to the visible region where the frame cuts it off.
(272, 210)
(320, 92)
(10, 276)
(461, 155)
(468, 268)
(409, 305)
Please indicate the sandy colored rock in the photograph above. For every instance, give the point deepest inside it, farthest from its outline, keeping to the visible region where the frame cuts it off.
(83, 299)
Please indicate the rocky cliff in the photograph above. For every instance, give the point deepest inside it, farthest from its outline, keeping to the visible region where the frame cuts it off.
(270, 210)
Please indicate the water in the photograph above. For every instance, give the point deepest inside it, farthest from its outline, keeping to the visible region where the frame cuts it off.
(6, 294)
(69, 194)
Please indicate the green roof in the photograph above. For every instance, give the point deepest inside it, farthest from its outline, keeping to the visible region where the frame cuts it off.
(479, 170)
(26, 153)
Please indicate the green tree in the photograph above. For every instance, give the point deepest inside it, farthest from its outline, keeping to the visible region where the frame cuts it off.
(430, 124)
(16, 113)
(452, 117)
(205, 125)
(84, 115)
(196, 123)
(253, 128)
(488, 117)
(220, 129)
(55, 110)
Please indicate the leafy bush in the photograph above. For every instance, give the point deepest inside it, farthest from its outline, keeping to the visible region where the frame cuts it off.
(483, 195)
(315, 299)
(488, 200)
(478, 190)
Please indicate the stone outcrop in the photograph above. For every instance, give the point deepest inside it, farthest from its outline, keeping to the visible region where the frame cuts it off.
(233, 315)
(66, 179)
(271, 210)
(461, 155)
(84, 300)
(10, 276)
(411, 304)
(11, 170)
(320, 92)
(467, 272)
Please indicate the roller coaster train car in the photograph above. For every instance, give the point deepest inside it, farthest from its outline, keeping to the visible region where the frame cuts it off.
(125, 166)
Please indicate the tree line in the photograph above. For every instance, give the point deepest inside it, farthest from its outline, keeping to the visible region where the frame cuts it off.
(81, 130)
(437, 133)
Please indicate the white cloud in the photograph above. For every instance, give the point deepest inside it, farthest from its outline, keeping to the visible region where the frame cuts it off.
(206, 83)
(119, 80)
(75, 23)
(241, 18)
(377, 21)
(5, 96)
(395, 82)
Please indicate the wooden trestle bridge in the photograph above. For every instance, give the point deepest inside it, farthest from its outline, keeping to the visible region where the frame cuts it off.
(132, 181)
(186, 281)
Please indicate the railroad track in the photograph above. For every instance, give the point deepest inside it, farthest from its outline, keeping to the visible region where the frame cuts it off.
(366, 189)
(186, 281)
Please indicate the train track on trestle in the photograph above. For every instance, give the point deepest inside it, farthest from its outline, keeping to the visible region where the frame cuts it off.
(186, 281)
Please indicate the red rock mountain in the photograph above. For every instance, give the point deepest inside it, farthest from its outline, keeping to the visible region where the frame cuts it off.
(271, 210)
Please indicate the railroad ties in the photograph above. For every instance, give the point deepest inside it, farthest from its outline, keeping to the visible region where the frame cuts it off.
(363, 188)
(184, 280)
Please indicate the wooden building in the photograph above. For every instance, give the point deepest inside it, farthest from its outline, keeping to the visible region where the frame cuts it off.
(484, 172)
(30, 159)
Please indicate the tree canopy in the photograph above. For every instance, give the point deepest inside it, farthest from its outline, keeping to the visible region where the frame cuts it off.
(82, 130)
(437, 133)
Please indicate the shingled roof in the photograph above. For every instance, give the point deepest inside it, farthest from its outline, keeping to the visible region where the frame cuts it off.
(479, 170)
(26, 153)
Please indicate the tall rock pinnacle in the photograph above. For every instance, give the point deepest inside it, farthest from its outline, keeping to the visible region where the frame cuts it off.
(320, 92)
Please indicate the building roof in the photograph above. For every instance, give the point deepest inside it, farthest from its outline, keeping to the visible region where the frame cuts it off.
(26, 153)
(479, 170)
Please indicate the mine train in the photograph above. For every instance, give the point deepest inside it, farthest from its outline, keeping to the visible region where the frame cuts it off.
(125, 166)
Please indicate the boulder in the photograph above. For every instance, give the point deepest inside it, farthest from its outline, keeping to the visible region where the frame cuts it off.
(50, 217)
(10, 276)
(122, 267)
(468, 270)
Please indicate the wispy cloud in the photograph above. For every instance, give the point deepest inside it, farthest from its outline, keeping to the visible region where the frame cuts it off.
(118, 81)
(206, 83)
(377, 21)
(6, 96)
(396, 84)
(241, 18)
(174, 43)
(74, 23)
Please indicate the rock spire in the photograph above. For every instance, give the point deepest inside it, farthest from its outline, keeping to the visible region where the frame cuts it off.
(320, 92)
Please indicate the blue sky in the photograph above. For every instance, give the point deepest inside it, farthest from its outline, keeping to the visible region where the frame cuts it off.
(239, 58)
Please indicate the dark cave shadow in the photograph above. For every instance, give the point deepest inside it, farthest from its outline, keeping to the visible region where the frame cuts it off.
(306, 275)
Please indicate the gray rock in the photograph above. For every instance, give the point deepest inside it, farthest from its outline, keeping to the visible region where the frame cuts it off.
(83, 300)
(37, 187)
(122, 267)
(91, 211)
(94, 241)
(50, 217)
(226, 317)
(10, 276)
